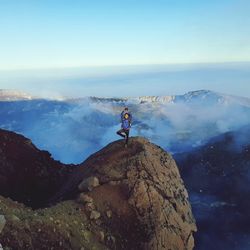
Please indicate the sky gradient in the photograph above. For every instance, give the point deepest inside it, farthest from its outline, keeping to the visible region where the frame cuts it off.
(125, 81)
(124, 48)
(59, 33)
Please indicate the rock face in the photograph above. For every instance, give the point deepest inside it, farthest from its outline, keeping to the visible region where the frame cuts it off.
(26, 171)
(120, 198)
(88, 184)
(142, 189)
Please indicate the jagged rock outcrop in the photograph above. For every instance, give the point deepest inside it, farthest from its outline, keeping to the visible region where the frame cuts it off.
(129, 198)
(142, 188)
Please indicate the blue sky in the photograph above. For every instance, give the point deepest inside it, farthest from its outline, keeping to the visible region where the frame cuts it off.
(124, 81)
(54, 48)
(59, 33)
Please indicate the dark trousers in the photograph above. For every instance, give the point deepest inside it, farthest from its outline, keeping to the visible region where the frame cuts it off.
(124, 133)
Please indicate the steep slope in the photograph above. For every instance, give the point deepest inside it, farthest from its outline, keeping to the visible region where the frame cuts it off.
(25, 171)
(217, 177)
(147, 183)
(121, 198)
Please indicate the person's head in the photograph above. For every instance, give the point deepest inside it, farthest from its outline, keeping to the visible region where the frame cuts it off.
(126, 108)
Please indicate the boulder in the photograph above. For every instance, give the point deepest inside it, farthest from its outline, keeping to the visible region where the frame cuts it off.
(84, 198)
(88, 184)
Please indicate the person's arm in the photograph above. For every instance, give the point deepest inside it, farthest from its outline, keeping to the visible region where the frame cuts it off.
(121, 116)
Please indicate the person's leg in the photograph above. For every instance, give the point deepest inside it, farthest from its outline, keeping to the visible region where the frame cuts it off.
(127, 135)
(120, 133)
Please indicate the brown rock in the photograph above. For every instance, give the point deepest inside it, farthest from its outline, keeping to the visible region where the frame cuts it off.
(95, 215)
(84, 198)
(88, 184)
(114, 183)
(141, 185)
(149, 202)
(89, 207)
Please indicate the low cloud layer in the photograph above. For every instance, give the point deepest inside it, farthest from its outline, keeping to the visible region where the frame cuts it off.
(72, 131)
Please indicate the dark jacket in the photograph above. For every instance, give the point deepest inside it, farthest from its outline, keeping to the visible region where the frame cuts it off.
(126, 119)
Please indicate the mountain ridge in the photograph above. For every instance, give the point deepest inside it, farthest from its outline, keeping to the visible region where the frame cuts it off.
(177, 125)
(12, 95)
(117, 199)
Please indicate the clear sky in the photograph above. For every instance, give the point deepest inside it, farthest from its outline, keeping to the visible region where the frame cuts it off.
(124, 81)
(66, 33)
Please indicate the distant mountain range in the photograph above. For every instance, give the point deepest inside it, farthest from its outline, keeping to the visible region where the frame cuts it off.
(205, 96)
(13, 95)
(177, 123)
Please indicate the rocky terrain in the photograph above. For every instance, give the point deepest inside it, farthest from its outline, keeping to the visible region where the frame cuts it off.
(118, 198)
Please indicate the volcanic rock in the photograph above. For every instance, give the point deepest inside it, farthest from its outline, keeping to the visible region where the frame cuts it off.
(95, 215)
(88, 184)
(149, 203)
(140, 187)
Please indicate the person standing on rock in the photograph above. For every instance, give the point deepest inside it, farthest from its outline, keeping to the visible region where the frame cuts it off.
(126, 120)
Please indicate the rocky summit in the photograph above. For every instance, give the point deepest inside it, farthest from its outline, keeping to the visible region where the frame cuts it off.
(119, 198)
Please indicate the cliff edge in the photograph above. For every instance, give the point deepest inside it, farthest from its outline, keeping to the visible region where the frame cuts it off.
(119, 198)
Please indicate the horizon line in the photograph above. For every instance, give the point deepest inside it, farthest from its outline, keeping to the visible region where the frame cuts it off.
(68, 98)
(125, 65)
